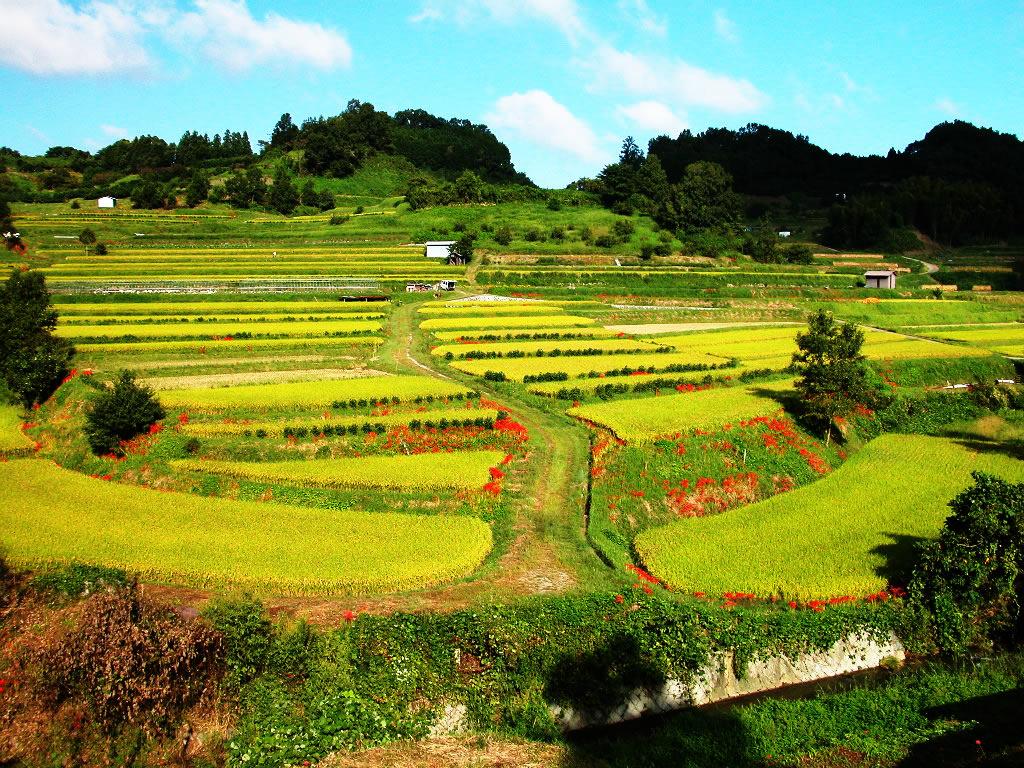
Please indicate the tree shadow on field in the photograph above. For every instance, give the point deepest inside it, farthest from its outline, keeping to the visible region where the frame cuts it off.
(995, 741)
(787, 398)
(1013, 449)
(898, 556)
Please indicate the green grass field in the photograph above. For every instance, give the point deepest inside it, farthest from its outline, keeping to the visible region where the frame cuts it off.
(849, 533)
(52, 515)
(649, 417)
(311, 394)
(465, 470)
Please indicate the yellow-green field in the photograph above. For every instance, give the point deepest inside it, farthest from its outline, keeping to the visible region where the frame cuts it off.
(516, 368)
(208, 330)
(841, 535)
(52, 515)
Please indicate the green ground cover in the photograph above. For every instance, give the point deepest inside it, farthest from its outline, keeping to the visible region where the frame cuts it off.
(649, 417)
(312, 394)
(443, 471)
(52, 515)
(850, 533)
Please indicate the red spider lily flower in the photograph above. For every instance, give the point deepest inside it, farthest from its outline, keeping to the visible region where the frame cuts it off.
(496, 474)
(620, 599)
(349, 616)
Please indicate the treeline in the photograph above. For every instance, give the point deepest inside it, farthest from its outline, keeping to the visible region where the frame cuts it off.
(155, 173)
(958, 184)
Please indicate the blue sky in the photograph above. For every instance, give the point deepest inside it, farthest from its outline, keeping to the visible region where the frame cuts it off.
(560, 81)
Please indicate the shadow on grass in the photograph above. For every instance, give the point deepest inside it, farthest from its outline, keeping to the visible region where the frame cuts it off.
(997, 739)
(899, 557)
(1014, 449)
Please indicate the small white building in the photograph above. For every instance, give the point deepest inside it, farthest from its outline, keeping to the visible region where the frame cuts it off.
(784, 233)
(439, 249)
(880, 278)
(107, 202)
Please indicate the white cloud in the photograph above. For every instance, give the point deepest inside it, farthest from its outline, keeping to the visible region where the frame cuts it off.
(51, 37)
(641, 14)
(564, 15)
(227, 32)
(114, 131)
(725, 27)
(947, 106)
(674, 81)
(39, 135)
(654, 117)
(536, 117)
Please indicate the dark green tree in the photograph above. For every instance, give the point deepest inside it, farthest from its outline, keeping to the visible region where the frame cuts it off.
(971, 579)
(630, 154)
(833, 374)
(284, 197)
(462, 250)
(120, 413)
(468, 187)
(33, 361)
(285, 133)
(503, 235)
(146, 194)
(705, 198)
(87, 237)
(198, 189)
(309, 196)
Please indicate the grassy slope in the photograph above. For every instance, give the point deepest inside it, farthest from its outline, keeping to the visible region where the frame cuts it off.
(849, 533)
(11, 437)
(50, 514)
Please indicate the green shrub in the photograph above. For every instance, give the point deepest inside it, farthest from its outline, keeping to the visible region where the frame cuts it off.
(120, 414)
(248, 636)
(78, 580)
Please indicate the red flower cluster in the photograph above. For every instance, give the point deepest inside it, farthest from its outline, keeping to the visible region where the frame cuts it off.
(641, 573)
(514, 427)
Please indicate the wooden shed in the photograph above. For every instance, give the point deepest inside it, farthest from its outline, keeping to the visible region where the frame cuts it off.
(439, 249)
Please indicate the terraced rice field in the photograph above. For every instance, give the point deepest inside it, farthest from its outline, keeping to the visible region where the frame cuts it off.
(650, 417)
(466, 470)
(1006, 340)
(592, 346)
(256, 377)
(470, 310)
(211, 308)
(278, 427)
(580, 367)
(490, 334)
(11, 437)
(503, 323)
(170, 331)
(52, 515)
(312, 394)
(890, 493)
(234, 346)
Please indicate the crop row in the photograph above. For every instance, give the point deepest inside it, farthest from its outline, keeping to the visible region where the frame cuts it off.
(650, 417)
(586, 367)
(470, 310)
(51, 515)
(539, 321)
(209, 308)
(207, 329)
(893, 490)
(460, 470)
(75, 320)
(535, 334)
(428, 419)
(370, 389)
(555, 348)
(228, 345)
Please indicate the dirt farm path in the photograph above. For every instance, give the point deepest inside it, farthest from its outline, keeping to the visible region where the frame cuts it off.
(548, 536)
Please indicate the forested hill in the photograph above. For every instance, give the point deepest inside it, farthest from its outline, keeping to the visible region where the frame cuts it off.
(335, 146)
(958, 184)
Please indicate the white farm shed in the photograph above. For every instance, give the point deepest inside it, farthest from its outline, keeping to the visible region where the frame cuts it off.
(880, 278)
(106, 202)
(439, 249)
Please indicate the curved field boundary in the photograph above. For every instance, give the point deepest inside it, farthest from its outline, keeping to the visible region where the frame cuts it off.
(845, 534)
(459, 470)
(649, 417)
(52, 515)
(12, 439)
(312, 394)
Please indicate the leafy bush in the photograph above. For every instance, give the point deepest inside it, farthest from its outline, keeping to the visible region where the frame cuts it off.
(971, 579)
(120, 414)
(248, 636)
(335, 221)
(78, 580)
(503, 235)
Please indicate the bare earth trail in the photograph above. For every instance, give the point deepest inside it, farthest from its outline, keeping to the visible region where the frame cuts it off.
(548, 535)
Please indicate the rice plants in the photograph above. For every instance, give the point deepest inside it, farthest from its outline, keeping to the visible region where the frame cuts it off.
(500, 334)
(461, 470)
(850, 533)
(11, 437)
(541, 348)
(202, 347)
(336, 425)
(209, 308)
(52, 515)
(647, 418)
(217, 329)
(313, 394)
(531, 321)
(581, 367)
